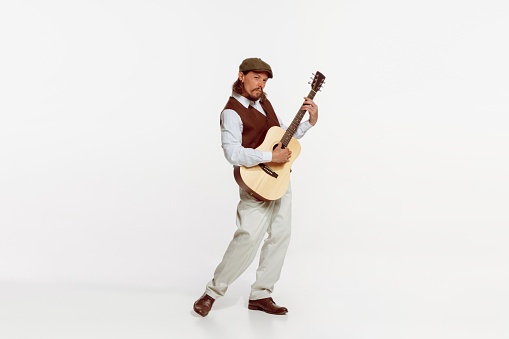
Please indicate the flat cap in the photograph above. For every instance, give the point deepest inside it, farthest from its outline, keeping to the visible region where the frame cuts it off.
(255, 64)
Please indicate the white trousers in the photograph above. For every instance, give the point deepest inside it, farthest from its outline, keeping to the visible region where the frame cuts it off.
(254, 219)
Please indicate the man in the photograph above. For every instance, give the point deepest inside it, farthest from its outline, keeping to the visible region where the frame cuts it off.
(245, 121)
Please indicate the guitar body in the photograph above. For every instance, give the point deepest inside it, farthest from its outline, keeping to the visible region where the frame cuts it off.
(256, 181)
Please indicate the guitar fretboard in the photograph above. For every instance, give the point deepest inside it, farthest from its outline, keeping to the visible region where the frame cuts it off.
(295, 123)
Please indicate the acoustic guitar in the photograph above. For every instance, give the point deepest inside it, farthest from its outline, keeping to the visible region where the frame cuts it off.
(270, 181)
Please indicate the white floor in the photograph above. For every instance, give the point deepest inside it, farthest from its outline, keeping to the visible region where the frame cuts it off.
(362, 307)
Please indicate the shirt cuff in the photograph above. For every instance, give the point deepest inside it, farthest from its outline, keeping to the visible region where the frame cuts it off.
(267, 156)
(306, 125)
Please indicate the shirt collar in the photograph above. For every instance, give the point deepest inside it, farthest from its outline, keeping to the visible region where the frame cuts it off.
(245, 101)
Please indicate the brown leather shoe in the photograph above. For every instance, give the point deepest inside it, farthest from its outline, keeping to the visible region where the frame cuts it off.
(203, 305)
(267, 305)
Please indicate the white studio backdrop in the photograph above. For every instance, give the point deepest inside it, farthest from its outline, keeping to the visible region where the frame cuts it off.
(111, 170)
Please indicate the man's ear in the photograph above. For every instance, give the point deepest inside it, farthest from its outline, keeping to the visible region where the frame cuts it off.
(241, 77)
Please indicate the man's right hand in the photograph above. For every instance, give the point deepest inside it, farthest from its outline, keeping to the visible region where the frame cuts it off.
(281, 155)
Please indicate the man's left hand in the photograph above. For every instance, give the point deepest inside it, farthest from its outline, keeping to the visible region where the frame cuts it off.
(310, 106)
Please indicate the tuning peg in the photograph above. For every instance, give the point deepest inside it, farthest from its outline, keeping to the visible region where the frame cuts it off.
(309, 82)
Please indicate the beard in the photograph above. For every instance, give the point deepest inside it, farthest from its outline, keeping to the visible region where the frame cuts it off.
(255, 95)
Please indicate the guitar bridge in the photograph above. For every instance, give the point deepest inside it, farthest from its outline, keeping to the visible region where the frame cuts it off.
(268, 170)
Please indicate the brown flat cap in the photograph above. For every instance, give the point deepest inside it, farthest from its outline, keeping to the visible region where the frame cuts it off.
(255, 64)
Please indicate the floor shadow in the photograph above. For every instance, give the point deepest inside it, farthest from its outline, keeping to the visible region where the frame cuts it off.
(225, 302)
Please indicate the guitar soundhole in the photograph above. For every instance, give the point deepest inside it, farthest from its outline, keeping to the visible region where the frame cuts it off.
(282, 146)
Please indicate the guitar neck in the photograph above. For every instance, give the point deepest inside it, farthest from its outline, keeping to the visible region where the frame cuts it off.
(295, 123)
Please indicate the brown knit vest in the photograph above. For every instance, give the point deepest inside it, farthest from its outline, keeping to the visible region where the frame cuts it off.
(255, 124)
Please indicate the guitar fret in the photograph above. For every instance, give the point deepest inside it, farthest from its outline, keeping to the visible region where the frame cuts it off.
(292, 129)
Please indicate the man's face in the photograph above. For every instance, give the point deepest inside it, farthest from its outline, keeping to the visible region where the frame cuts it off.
(254, 83)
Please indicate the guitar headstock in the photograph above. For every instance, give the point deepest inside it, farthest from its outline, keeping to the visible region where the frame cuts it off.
(317, 81)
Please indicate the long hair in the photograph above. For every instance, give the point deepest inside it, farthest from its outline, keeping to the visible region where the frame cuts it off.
(238, 87)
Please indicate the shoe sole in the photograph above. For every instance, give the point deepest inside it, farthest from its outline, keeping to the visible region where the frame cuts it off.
(258, 308)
